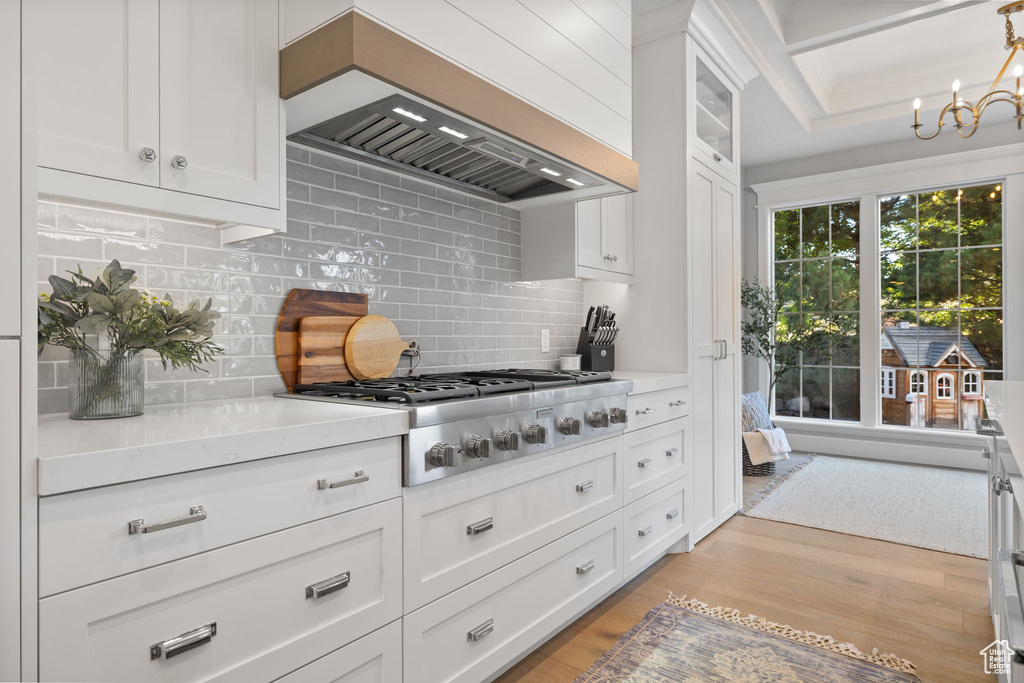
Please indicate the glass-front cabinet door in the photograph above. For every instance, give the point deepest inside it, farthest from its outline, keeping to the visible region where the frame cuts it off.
(714, 113)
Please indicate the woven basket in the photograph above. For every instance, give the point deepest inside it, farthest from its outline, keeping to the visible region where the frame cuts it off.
(755, 415)
(766, 469)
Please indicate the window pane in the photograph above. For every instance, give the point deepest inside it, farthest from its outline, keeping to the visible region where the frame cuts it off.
(814, 231)
(817, 403)
(938, 213)
(899, 280)
(846, 284)
(846, 349)
(787, 235)
(981, 215)
(846, 394)
(981, 278)
(787, 284)
(984, 330)
(816, 285)
(846, 229)
(899, 223)
(937, 279)
(787, 394)
(818, 352)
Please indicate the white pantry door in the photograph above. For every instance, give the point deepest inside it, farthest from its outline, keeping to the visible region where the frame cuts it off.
(219, 100)
(98, 87)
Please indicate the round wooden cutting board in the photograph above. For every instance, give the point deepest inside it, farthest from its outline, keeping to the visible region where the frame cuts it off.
(373, 347)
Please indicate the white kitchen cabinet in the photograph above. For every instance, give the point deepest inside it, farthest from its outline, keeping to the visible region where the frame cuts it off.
(715, 114)
(258, 609)
(374, 658)
(654, 523)
(714, 226)
(99, 88)
(165, 105)
(654, 457)
(470, 634)
(590, 239)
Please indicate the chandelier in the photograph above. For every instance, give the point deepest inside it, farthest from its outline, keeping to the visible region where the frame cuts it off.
(967, 115)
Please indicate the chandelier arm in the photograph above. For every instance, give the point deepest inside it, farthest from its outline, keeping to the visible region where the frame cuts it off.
(973, 128)
(1006, 65)
(988, 99)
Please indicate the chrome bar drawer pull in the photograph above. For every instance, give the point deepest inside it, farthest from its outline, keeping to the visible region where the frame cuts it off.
(584, 486)
(672, 514)
(480, 631)
(645, 530)
(585, 567)
(480, 527)
(643, 463)
(670, 452)
(172, 647)
(359, 478)
(676, 404)
(328, 586)
(646, 411)
(196, 513)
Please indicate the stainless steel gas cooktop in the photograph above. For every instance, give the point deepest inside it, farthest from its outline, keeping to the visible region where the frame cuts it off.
(463, 421)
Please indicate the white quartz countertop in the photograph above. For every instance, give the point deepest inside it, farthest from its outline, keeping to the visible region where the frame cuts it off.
(76, 454)
(1005, 402)
(653, 381)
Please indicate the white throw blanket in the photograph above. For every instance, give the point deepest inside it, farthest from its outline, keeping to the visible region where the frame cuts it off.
(766, 445)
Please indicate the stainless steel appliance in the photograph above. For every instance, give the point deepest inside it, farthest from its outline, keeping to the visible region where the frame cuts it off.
(461, 422)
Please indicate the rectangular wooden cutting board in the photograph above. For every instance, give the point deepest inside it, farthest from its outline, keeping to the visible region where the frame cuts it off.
(305, 303)
(322, 348)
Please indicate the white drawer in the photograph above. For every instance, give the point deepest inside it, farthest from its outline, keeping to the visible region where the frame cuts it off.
(256, 594)
(654, 457)
(653, 523)
(509, 610)
(655, 407)
(84, 536)
(524, 505)
(374, 658)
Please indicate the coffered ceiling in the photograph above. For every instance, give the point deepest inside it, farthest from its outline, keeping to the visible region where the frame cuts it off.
(837, 74)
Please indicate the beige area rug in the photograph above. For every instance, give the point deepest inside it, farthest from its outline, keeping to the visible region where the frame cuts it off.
(925, 507)
(688, 640)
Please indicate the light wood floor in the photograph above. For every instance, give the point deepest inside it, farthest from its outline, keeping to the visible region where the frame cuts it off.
(926, 606)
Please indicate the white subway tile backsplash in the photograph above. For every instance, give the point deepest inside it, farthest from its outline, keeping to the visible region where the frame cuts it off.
(442, 264)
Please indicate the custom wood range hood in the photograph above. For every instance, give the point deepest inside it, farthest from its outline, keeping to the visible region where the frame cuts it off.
(356, 88)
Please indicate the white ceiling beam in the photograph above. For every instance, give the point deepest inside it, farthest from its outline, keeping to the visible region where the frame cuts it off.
(850, 20)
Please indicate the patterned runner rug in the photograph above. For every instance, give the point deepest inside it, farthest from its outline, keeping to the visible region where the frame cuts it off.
(687, 640)
(925, 507)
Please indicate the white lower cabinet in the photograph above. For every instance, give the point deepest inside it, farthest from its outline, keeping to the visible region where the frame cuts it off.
(653, 457)
(253, 611)
(653, 523)
(475, 631)
(374, 658)
(456, 532)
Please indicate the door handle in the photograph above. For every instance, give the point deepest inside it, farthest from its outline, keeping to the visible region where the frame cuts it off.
(480, 631)
(643, 463)
(196, 513)
(645, 530)
(670, 452)
(585, 567)
(584, 486)
(172, 647)
(328, 586)
(359, 478)
(672, 514)
(480, 527)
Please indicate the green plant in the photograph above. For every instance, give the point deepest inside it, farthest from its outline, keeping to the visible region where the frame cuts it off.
(782, 340)
(132, 320)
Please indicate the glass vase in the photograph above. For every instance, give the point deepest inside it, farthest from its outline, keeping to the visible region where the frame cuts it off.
(104, 387)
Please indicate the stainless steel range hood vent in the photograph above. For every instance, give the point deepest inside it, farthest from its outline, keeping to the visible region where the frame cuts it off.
(408, 137)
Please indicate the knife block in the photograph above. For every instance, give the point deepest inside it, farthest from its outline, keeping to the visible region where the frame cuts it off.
(595, 357)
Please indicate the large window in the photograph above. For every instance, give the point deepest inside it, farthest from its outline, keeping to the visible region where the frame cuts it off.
(817, 276)
(942, 303)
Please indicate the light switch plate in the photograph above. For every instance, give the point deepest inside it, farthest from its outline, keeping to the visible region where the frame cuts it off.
(545, 341)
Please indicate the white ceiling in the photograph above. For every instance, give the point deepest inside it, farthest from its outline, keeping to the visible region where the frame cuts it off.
(839, 74)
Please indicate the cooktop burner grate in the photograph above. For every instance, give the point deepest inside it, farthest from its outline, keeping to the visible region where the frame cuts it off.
(411, 390)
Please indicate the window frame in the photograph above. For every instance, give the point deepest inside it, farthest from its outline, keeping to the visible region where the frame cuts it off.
(976, 375)
(888, 380)
(924, 382)
(939, 394)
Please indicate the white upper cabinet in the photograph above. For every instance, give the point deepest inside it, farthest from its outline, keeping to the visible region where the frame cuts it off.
(590, 239)
(175, 100)
(219, 99)
(715, 115)
(571, 59)
(98, 95)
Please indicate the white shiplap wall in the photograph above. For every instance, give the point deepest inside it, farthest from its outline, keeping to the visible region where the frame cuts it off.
(572, 59)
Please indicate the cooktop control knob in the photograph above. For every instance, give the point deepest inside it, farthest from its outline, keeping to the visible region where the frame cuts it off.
(477, 446)
(569, 426)
(506, 440)
(535, 434)
(618, 416)
(441, 455)
(598, 418)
